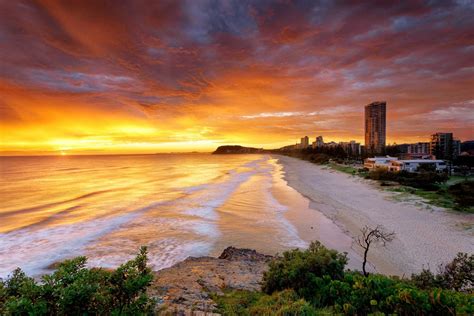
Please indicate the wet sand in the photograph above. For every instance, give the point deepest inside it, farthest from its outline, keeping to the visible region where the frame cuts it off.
(268, 215)
(425, 236)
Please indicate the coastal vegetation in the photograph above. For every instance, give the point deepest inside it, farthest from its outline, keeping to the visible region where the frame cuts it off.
(314, 282)
(440, 189)
(74, 289)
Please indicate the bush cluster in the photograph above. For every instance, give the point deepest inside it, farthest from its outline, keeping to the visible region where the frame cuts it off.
(317, 276)
(74, 289)
(303, 271)
(243, 303)
(463, 193)
(361, 295)
(320, 159)
(458, 275)
(427, 180)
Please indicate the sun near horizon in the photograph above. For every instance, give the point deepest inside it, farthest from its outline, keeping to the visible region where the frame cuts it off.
(234, 157)
(90, 77)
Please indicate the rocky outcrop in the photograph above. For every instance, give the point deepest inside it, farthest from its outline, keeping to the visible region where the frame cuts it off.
(239, 254)
(186, 288)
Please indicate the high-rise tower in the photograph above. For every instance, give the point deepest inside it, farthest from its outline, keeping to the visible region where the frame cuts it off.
(375, 127)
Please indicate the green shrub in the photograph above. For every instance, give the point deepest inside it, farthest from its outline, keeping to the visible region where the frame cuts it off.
(423, 180)
(458, 275)
(304, 271)
(75, 290)
(256, 303)
(361, 295)
(382, 175)
(320, 159)
(317, 275)
(237, 302)
(282, 303)
(463, 193)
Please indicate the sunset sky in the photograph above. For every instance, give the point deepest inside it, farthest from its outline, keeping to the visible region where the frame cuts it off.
(158, 76)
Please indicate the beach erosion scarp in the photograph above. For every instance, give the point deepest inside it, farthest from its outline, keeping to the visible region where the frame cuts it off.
(425, 236)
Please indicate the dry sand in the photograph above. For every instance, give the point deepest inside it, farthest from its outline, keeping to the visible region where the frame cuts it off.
(425, 236)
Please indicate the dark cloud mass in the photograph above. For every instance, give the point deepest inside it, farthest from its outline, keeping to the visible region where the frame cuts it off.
(196, 72)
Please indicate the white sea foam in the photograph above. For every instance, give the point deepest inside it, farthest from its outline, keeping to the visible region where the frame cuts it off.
(35, 249)
(162, 253)
(146, 200)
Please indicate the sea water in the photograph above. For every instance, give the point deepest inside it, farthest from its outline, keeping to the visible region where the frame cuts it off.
(179, 205)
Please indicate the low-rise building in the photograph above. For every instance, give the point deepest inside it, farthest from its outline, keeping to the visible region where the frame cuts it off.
(379, 162)
(421, 148)
(351, 148)
(412, 165)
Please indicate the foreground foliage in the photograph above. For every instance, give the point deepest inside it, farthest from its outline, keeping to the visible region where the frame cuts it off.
(313, 282)
(458, 275)
(257, 303)
(74, 289)
(302, 270)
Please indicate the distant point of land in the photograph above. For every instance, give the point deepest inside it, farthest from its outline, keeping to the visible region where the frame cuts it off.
(237, 149)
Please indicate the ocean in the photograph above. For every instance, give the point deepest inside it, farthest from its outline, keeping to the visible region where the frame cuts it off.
(179, 205)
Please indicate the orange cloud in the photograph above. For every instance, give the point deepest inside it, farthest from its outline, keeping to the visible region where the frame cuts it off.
(88, 76)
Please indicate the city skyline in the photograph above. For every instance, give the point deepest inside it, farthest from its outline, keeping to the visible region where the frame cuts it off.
(179, 76)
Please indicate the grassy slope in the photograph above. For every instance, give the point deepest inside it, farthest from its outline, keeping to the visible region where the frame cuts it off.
(440, 197)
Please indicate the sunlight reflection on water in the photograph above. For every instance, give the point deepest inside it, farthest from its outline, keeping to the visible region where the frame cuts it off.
(106, 207)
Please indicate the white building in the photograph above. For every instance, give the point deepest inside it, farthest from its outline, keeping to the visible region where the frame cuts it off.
(413, 164)
(379, 162)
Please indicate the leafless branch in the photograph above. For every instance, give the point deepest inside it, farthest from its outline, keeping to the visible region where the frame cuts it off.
(370, 235)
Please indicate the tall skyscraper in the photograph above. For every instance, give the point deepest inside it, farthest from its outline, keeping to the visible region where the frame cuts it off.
(375, 127)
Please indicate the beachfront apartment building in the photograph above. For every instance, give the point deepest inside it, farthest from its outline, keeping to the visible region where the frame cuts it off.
(443, 146)
(378, 162)
(422, 148)
(304, 142)
(375, 127)
(412, 165)
(319, 142)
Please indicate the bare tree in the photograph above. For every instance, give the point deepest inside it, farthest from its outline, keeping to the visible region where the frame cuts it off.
(370, 236)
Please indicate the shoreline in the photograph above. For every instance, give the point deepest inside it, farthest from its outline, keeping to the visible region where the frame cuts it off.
(425, 238)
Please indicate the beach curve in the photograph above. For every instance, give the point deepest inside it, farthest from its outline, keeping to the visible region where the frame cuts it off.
(425, 238)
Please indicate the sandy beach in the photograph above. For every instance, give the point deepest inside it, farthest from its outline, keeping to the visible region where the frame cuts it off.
(425, 236)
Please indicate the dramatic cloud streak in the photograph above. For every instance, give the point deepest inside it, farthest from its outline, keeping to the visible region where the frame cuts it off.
(147, 76)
